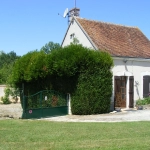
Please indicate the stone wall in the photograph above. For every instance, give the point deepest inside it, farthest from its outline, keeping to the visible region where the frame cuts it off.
(2, 87)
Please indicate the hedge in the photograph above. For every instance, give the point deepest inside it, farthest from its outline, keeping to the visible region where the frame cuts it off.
(82, 72)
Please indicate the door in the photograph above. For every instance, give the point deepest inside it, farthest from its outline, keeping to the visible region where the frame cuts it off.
(120, 91)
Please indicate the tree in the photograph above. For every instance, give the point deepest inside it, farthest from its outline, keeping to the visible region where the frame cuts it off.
(6, 64)
(75, 41)
(50, 47)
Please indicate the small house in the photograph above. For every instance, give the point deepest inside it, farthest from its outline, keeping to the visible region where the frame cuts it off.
(130, 50)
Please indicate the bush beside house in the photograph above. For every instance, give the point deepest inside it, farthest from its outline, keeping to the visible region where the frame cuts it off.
(82, 72)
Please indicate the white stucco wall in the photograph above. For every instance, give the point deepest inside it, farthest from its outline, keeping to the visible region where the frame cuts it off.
(75, 29)
(138, 67)
(2, 87)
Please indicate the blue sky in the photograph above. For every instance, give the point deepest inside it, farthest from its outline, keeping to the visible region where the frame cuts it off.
(26, 25)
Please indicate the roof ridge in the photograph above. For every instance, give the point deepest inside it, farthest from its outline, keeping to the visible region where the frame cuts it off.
(108, 23)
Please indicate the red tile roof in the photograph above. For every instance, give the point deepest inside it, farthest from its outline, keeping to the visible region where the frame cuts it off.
(117, 40)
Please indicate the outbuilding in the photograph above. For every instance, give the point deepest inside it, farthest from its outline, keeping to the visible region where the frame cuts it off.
(130, 50)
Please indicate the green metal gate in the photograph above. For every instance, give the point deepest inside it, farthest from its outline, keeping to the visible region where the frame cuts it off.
(45, 104)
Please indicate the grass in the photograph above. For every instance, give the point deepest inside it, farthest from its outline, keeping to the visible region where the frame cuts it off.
(45, 135)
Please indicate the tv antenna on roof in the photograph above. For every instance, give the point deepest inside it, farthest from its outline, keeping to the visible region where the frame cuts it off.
(66, 12)
(75, 3)
(70, 13)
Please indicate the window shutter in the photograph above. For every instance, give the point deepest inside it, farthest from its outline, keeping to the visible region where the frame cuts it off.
(131, 91)
(146, 86)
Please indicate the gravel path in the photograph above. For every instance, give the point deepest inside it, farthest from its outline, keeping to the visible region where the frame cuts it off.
(125, 116)
(10, 111)
(15, 111)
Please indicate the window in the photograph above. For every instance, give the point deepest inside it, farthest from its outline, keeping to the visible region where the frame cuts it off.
(72, 36)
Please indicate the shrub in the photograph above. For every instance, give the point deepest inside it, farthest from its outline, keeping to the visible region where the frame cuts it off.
(82, 72)
(144, 101)
(94, 88)
(15, 93)
(5, 99)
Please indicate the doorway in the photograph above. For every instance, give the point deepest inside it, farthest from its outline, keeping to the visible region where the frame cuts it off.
(124, 91)
(120, 91)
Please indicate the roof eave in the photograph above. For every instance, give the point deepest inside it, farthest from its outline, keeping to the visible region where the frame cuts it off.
(131, 58)
(65, 34)
(90, 40)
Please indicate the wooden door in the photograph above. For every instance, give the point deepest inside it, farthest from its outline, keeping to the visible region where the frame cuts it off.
(120, 91)
(131, 91)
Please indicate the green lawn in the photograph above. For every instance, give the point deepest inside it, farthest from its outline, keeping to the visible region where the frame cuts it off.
(45, 135)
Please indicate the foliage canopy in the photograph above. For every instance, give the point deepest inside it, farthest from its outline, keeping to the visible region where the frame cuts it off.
(50, 46)
(6, 64)
(83, 72)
